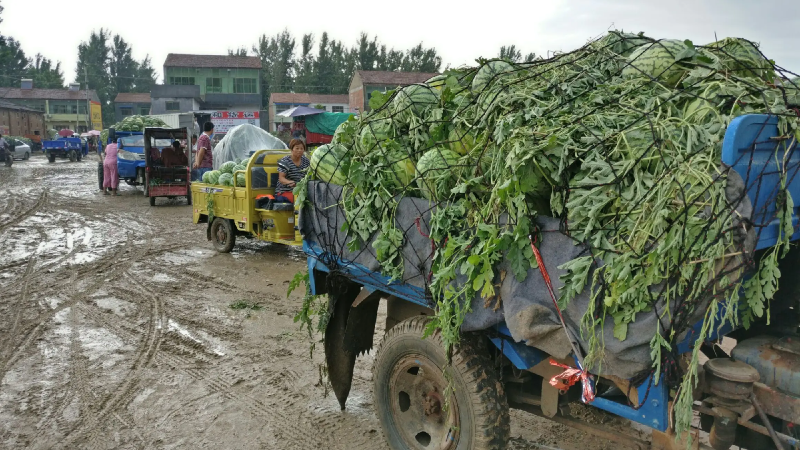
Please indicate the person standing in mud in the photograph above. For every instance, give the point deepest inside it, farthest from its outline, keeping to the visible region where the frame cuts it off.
(110, 174)
(203, 159)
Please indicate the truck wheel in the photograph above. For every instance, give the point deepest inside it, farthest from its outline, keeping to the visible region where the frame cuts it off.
(80, 156)
(152, 201)
(410, 383)
(51, 157)
(73, 156)
(222, 235)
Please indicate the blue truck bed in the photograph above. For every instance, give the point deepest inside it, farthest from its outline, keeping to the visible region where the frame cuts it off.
(749, 147)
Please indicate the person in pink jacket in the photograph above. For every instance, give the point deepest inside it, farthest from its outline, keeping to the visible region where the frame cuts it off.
(110, 174)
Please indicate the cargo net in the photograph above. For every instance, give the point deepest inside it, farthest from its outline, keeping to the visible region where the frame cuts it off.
(621, 141)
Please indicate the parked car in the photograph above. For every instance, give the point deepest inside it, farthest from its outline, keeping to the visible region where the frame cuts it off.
(22, 150)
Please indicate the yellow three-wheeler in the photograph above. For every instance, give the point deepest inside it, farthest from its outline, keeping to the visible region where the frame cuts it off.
(245, 211)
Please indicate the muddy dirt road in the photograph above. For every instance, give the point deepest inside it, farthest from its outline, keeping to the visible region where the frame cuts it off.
(116, 331)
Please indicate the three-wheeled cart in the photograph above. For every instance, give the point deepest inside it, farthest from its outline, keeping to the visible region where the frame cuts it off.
(164, 178)
(748, 395)
(231, 211)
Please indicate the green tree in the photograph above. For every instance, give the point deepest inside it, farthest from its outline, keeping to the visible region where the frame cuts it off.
(107, 61)
(241, 51)
(44, 74)
(420, 59)
(368, 52)
(305, 76)
(122, 68)
(93, 66)
(277, 56)
(145, 76)
(512, 54)
(13, 63)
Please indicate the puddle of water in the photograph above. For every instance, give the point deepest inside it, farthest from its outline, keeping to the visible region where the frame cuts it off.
(176, 327)
(162, 278)
(115, 305)
(100, 343)
(52, 302)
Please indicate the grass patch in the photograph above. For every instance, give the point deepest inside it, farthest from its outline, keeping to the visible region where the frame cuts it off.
(243, 304)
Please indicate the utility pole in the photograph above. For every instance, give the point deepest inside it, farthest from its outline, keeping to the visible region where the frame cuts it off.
(88, 102)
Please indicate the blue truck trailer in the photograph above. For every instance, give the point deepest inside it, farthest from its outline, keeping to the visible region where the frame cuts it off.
(130, 157)
(748, 392)
(73, 148)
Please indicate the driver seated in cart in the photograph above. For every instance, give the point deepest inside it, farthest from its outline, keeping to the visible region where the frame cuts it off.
(174, 156)
(291, 169)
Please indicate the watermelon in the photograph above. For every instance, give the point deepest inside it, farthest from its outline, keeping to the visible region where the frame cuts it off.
(207, 177)
(461, 141)
(213, 176)
(435, 173)
(656, 60)
(226, 179)
(437, 82)
(372, 133)
(345, 133)
(329, 163)
(240, 180)
(227, 167)
(488, 72)
(415, 98)
(405, 170)
(741, 57)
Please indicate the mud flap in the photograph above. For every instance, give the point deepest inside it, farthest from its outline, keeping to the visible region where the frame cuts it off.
(349, 332)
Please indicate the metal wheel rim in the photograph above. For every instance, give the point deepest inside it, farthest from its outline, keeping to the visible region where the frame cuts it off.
(416, 399)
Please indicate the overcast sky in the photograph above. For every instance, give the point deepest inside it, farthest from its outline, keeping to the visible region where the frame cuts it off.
(459, 31)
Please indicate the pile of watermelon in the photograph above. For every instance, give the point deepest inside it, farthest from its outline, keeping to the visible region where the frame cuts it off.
(225, 175)
(621, 139)
(134, 123)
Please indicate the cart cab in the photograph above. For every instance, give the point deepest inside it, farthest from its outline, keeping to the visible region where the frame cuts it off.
(167, 172)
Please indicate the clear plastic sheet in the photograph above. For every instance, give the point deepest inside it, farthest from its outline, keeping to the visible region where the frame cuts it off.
(241, 141)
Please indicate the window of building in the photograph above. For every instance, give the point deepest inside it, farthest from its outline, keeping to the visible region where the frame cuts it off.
(126, 111)
(214, 85)
(181, 81)
(58, 109)
(337, 109)
(173, 106)
(281, 108)
(244, 86)
(144, 110)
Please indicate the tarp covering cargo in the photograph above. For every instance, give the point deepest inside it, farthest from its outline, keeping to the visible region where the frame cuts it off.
(240, 141)
(326, 123)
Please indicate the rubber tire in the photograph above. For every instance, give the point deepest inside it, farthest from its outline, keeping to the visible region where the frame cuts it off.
(26, 156)
(100, 175)
(80, 157)
(152, 201)
(51, 158)
(73, 155)
(483, 408)
(227, 246)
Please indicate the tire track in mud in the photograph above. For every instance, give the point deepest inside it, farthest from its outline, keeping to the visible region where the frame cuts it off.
(124, 394)
(8, 336)
(20, 216)
(38, 325)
